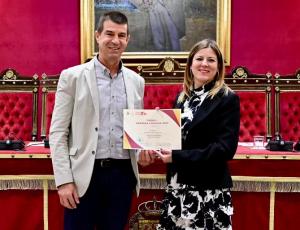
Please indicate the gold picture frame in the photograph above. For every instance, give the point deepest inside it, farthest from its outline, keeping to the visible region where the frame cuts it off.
(222, 23)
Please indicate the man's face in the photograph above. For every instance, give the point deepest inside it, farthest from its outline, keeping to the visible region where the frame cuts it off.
(112, 41)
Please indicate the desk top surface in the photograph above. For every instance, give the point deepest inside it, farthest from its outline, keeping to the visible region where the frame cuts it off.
(32, 150)
(37, 150)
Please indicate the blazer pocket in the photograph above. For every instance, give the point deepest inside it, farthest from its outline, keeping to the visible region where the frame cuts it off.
(73, 151)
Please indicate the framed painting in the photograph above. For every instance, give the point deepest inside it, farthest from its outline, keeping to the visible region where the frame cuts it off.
(160, 28)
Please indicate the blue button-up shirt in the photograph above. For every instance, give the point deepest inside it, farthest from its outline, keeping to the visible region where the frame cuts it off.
(112, 101)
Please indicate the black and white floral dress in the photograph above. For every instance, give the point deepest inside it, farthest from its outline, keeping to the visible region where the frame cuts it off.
(188, 207)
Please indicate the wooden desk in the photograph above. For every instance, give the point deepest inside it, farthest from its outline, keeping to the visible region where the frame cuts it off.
(28, 195)
(265, 193)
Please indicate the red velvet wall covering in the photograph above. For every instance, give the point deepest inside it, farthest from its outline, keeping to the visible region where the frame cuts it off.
(39, 36)
(265, 35)
(44, 36)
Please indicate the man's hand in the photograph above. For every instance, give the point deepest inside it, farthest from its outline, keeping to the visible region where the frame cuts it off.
(68, 195)
(165, 155)
(146, 157)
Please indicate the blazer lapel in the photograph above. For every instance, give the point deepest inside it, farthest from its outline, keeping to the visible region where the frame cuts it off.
(207, 107)
(90, 76)
(129, 91)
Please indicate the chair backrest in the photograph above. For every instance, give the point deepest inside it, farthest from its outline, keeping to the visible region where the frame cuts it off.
(48, 84)
(254, 91)
(162, 95)
(287, 106)
(168, 71)
(163, 83)
(18, 105)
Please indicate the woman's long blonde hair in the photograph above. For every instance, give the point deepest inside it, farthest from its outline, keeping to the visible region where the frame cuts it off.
(218, 79)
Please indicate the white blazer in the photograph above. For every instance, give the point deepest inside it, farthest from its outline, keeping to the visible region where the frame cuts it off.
(75, 120)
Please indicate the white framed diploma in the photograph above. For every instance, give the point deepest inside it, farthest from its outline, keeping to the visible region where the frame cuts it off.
(152, 129)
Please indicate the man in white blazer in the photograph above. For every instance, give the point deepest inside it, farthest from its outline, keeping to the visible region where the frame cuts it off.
(94, 175)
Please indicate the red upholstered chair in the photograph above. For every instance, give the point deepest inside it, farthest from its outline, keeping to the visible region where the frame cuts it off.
(163, 83)
(254, 91)
(287, 106)
(18, 105)
(48, 85)
(162, 95)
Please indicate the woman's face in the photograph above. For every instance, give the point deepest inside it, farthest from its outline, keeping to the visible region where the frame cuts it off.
(204, 67)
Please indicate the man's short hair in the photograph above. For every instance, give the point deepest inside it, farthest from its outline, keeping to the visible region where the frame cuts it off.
(115, 16)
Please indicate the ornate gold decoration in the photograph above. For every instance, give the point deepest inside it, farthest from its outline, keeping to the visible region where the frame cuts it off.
(44, 76)
(35, 77)
(9, 75)
(139, 68)
(240, 73)
(147, 216)
(169, 66)
(151, 208)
